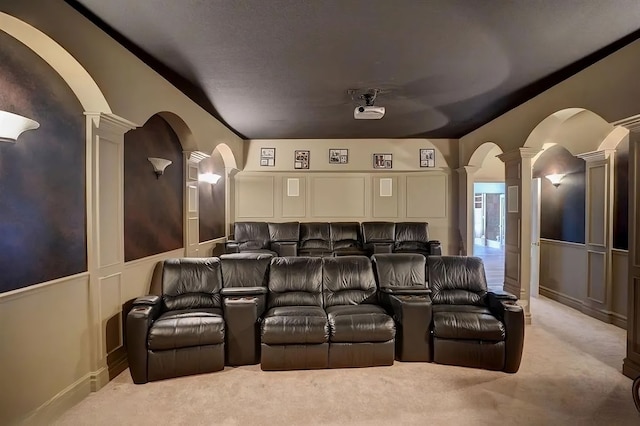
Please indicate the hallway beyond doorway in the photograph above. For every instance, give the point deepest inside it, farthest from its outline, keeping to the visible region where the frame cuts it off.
(493, 259)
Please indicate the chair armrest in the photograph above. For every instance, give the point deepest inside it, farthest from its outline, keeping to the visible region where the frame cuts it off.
(231, 294)
(406, 290)
(382, 248)
(408, 307)
(231, 247)
(512, 315)
(285, 248)
(504, 295)
(139, 320)
(149, 300)
(435, 248)
(242, 291)
(412, 315)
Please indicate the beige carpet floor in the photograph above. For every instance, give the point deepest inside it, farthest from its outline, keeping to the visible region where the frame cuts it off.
(570, 375)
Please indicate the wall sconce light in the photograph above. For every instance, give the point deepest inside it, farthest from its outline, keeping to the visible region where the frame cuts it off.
(555, 178)
(211, 178)
(159, 164)
(12, 126)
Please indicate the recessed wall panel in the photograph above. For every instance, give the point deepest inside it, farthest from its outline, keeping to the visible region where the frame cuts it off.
(596, 204)
(426, 196)
(338, 197)
(596, 289)
(255, 196)
(109, 196)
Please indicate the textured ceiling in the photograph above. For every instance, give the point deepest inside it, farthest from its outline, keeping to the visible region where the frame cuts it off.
(281, 68)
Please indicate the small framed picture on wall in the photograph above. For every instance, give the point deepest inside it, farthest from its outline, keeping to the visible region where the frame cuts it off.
(338, 156)
(301, 160)
(382, 161)
(268, 157)
(427, 157)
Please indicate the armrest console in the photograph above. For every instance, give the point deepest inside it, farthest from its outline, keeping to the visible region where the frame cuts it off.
(148, 300)
(382, 248)
(412, 314)
(285, 248)
(504, 295)
(435, 248)
(512, 315)
(139, 320)
(231, 247)
(407, 290)
(243, 291)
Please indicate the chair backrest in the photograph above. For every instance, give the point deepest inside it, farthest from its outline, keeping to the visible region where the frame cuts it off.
(295, 281)
(412, 236)
(245, 269)
(348, 280)
(251, 235)
(284, 232)
(315, 235)
(457, 280)
(345, 235)
(378, 232)
(399, 270)
(189, 283)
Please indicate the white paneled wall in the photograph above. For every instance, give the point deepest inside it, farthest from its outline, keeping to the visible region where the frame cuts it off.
(327, 197)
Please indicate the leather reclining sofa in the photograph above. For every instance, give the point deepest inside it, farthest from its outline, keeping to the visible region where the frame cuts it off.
(320, 312)
(326, 239)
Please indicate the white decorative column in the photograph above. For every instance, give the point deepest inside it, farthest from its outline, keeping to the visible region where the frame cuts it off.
(105, 240)
(191, 205)
(517, 255)
(599, 177)
(465, 209)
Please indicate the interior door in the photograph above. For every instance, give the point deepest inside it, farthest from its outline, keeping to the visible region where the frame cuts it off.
(535, 237)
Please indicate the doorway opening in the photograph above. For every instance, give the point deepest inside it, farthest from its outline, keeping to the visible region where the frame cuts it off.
(489, 220)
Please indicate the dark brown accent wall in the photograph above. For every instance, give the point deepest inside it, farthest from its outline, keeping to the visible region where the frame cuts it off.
(212, 199)
(42, 176)
(621, 198)
(153, 208)
(562, 209)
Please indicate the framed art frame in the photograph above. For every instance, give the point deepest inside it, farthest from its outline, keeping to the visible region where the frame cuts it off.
(338, 156)
(427, 157)
(301, 159)
(382, 161)
(268, 157)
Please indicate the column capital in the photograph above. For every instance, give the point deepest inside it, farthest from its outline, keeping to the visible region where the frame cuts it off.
(110, 122)
(593, 156)
(519, 154)
(632, 123)
(195, 156)
(468, 170)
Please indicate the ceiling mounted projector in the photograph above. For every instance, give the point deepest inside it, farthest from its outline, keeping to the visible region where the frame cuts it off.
(368, 113)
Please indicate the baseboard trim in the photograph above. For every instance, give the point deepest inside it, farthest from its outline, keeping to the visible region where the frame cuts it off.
(604, 316)
(119, 364)
(61, 402)
(630, 368)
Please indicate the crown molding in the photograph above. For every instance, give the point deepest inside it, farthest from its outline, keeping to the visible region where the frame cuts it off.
(632, 123)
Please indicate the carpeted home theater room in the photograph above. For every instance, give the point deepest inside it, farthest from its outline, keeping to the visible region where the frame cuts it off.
(319, 212)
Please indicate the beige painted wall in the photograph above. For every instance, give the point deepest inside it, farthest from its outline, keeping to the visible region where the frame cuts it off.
(492, 169)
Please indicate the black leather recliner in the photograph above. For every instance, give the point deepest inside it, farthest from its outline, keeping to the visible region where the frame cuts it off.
(250, 237)
(315, 239)
(361, 332)
(295, 328)
(284, 238)
(413, 237)
(378, 237)
(179, 328)
(346, 239)
(471, 326)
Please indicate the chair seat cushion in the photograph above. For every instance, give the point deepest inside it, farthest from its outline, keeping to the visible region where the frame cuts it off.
(295, 325)
(349, 251)
(467, 326)
(360, 323)
(315, 252)
(260, 251)
(185, 328)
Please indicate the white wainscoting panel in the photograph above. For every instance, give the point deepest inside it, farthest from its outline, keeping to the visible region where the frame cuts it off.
(338, 197)
(426, 196)
(255, 196)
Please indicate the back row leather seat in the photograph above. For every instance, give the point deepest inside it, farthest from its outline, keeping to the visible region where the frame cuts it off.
(324, 239)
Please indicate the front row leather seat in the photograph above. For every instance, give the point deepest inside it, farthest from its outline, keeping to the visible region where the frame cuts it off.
(179, 329)
(471, 326)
